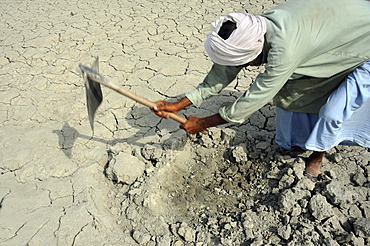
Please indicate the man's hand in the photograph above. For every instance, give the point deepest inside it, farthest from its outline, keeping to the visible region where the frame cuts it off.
(193, 125)
(162, 107)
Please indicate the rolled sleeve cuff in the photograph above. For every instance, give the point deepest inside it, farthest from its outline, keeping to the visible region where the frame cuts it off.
(195, 98)
(232, 117)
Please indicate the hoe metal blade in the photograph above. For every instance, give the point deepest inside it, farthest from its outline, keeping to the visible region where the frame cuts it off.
(94, 95)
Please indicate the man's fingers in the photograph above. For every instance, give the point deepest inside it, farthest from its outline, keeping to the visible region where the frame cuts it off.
(159, 106)
(190, 126)
(162, 114)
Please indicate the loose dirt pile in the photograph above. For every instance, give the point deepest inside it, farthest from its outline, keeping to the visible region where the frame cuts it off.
(234, 187)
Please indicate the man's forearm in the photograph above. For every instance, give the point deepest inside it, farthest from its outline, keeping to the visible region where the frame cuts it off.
(194, 125)
(183, 103)
(213, 120)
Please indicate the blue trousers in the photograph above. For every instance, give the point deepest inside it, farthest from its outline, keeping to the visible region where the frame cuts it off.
(344, 119)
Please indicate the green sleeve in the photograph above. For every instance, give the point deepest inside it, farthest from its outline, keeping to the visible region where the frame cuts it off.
(218, 78)
(278, 69)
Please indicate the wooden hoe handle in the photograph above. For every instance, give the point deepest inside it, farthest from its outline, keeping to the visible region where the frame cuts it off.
(95, 76)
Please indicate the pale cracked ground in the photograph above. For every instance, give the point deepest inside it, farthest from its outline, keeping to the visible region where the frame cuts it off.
(53, 187)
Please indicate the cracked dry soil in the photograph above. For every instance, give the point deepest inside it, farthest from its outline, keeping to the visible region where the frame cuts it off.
(138, 180)
(219, 189)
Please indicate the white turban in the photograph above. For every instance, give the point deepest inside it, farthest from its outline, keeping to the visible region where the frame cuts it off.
(244, 44)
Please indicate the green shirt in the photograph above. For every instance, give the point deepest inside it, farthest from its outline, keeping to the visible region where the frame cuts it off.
(310, 47)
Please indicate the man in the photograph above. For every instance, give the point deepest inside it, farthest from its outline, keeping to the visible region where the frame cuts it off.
(317, 72)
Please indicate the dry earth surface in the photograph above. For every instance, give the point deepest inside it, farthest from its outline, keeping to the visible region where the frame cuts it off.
(138, 179)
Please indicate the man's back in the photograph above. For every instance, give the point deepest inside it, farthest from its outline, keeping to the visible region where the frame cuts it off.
(318, 32)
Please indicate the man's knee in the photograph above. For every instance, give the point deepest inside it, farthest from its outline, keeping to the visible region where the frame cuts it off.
(332, 117)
